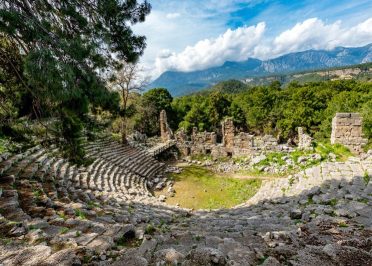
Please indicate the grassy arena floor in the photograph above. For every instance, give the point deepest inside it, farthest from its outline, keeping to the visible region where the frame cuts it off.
(200, 188)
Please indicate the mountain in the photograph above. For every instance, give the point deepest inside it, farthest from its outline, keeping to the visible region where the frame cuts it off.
(180, 83)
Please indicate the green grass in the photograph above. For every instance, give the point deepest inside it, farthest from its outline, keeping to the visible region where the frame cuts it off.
(366, 178)
(365, 201)
(341, 152)
(332, 202)
(63, 230)
(2, 146)
(93, 204)
(201, 157)
(200, 188)
(273, 157)
(150, 229)
(321, 148)
(62, 215)
(81, 215)
(343, 224)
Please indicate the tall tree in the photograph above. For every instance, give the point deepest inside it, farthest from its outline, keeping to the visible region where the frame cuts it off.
(69, 48)
(153, 101)
(128, 80)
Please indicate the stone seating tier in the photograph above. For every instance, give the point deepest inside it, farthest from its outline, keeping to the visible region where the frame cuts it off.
(57, 213)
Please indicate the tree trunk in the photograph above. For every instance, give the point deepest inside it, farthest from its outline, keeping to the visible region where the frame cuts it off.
(123, 118)
(123, 130)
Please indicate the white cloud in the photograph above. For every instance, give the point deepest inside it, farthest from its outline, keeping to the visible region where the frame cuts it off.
(172, 15)
(234, 45)
(244, 42)
(314, 34)
(173, 35)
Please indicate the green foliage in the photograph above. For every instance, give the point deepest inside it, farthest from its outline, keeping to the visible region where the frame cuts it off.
(64, 230)
(342, 224)
(332, 202)
(150, 229)
(150, 106)
(71, 127)
(366, 178)
(275, 110)
(128, 242)
(324, 149)
(54, 56)
(80, 214)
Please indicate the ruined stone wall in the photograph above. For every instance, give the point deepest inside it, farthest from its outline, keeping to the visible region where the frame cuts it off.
(347, 130)
(203, 138)
(243, 141)
(201, 142)
(228, 133)
(241, 144)
(266, 143)
(182, 142)
(304, 140)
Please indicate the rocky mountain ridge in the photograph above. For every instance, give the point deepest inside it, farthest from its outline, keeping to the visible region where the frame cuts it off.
(180, 83)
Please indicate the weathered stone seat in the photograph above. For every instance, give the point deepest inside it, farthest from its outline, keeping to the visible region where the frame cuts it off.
(128, 157)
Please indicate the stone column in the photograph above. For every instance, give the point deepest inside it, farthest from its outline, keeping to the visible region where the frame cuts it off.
(347, 130)
(165, 131)
(228, 133)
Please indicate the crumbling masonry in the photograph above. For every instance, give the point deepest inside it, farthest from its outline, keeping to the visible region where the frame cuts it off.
(233, 144)
(347, 130)
(304, 140)
(165, 131)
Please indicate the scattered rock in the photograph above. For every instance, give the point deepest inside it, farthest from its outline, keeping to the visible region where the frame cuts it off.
(295, 214)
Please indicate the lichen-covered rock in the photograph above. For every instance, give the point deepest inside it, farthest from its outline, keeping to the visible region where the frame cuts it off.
(205, 256)
(168, 256)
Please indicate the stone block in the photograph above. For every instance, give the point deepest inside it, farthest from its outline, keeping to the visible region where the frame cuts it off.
(347, 130)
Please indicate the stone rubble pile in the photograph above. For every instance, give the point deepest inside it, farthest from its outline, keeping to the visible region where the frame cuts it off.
(286, 164)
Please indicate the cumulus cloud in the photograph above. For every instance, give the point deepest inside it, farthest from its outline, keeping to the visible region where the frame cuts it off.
(314, 34)
(233, 45)
(250, 41)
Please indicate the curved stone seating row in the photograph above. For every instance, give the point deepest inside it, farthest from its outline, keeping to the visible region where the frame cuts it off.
(60, 180)
(312, 216)
(47, 199)
(337, 173)
(133, 159)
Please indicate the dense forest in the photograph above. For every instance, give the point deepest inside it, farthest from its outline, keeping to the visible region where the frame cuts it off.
(272, 109)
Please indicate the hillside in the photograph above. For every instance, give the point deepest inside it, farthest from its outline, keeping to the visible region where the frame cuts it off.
(180, 83)
(361, 72)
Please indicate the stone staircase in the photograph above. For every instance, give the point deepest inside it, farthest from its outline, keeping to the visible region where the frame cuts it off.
(160, 148)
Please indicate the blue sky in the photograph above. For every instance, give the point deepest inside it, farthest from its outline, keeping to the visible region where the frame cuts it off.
(187, 35)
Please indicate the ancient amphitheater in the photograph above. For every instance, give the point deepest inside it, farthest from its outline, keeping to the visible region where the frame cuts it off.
(55, 213)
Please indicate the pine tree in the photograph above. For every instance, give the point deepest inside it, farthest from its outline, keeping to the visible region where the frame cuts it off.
(70, 48)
